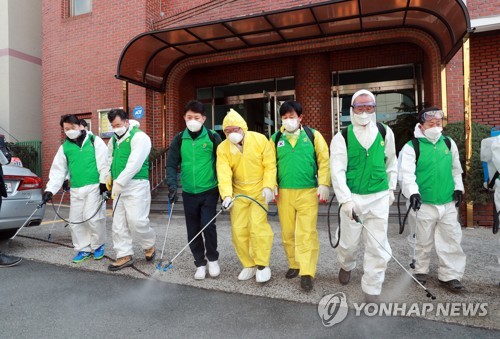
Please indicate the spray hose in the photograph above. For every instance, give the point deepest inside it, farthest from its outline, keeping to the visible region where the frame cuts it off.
(328, 223)
(402, 223)
(104, 199)
(258, 203)
(164, 268)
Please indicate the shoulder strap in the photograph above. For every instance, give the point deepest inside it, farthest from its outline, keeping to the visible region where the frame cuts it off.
(381, 130)
(447, 142)
(344, 134)
(179, 139)
(416, 147)
(492, 182)
(212, 139)
(309, 133)
(92, 139)
(276, 140)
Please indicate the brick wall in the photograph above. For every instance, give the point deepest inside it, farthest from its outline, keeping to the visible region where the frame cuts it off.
(483, 8)
(312, 89)
(80, 56)
(485, 77)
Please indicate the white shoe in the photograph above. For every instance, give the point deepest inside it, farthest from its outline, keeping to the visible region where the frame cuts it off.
(201, 273)
(247, 273)
(263, 275)
(213, 268)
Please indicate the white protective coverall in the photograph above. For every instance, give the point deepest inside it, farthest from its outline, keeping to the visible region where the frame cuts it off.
(131, 208)
(247, 171)
(85, 200)
(495, 152)
(373, 209)
(436, 224)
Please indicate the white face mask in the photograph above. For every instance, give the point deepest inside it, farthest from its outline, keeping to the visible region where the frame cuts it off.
(235, 137)
(193, 125)
(361, 119)
(120, 130)
(433, 133)
(290, 125)
(73, 133)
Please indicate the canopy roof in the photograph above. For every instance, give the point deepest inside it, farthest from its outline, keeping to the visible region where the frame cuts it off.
(148, 58)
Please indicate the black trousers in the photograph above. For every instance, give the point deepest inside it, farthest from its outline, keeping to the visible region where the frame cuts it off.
(199, 209)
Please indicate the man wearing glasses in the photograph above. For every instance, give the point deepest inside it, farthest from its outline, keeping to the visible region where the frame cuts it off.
(364, 176)
(432, 177)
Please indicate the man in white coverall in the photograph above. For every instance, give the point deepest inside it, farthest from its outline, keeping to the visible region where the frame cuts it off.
(432, 177)
(129, 150)
(84, 157)
(364, 175)
(495, 152)
(246, 165)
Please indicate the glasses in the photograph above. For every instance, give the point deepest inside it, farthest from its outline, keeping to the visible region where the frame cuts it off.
(230, 130)
(364, 107)
(433, 115)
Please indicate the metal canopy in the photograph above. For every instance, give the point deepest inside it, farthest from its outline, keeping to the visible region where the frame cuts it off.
(148, 58)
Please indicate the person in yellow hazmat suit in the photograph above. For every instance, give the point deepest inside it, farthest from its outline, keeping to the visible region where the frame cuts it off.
(246, 165)
(303, 163)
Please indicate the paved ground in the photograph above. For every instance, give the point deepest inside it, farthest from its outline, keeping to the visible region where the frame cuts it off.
(46, 301)
(481, 276)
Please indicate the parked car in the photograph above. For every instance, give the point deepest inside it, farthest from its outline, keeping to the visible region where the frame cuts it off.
(24, 190)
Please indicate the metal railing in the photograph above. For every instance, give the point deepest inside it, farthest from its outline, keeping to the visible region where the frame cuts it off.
(157, 170)
(30, 153)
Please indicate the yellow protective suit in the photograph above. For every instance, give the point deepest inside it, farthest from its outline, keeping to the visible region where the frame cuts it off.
(247, 172)
(298, 213)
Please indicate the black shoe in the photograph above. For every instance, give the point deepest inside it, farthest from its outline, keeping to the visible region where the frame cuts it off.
(421, 278)
(292, 273)
(306, 283)
(8, 261)
(344, 276)
(452, 285)
(371, 298)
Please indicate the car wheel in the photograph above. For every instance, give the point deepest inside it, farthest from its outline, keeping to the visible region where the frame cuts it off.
(6, 234)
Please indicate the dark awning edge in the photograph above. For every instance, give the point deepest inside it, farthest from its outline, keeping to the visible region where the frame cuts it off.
(148, 58)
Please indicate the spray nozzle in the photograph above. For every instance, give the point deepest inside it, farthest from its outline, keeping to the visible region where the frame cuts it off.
(430, 295)
(412, 264)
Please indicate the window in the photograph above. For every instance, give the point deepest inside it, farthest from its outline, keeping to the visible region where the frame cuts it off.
(78, 7)
(105, 129)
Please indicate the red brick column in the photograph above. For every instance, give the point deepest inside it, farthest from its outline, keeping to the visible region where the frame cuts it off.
(312, 89)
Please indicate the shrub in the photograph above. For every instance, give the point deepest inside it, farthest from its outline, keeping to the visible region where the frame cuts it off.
(474, 178)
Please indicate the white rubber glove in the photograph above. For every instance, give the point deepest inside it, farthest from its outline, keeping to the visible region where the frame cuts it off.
(227, 203)
(116, 190)
(276, 193)
(347, 208)
(268, 195)
(391, 197)
(323, 193)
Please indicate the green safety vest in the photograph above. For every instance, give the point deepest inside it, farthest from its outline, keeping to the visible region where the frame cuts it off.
(82, 164)
(121, 153)
(434, 172)
(198, 163)
(297, 167)
(366, 172)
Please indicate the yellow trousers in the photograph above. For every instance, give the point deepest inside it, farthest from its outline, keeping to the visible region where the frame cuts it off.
(252, 234)
(298, 213)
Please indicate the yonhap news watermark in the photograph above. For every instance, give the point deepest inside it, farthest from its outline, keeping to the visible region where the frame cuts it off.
(333, 309)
